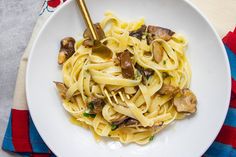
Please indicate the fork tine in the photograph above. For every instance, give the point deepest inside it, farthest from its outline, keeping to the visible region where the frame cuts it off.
(114, 96)
(127, 96)
(107, 95)
(121, 96)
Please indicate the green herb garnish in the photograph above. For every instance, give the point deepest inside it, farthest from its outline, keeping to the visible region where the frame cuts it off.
(86, 114)
(164, 62)
(114, 127)
(89, 115)
(151, 138)
(92, 115)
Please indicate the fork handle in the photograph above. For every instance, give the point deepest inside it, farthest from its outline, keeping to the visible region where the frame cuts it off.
(87, 18)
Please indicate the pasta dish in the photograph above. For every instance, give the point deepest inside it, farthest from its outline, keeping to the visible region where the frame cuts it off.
(131, 96)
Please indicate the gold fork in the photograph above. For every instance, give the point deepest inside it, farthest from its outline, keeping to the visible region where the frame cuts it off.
(98, 47)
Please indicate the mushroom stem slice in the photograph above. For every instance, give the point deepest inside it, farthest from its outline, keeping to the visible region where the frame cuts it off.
(126, 65)
(157, 51)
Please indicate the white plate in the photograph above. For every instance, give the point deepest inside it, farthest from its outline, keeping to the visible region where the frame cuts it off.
(210, 82)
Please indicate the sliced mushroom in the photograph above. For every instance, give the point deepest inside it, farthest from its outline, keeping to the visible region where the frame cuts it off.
(96, 106)
(185, 101)
(157, 51)
(66, 50)
(168, 90)
(129, 122)
(126, 65)
(88, 36)
(120, 121)
(139, 32)
(62, 89)
(146, 73)
(155, 32)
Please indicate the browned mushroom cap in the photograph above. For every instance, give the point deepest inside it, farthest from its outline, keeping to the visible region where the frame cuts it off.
(62, 89)
(68, 43)
(168, 90)
(185, 101)
(155, 32)
(126, 65)
(88, 36)
(139, 32)
(157, 51)
(146, 73)
(66, 50)
(96, 105)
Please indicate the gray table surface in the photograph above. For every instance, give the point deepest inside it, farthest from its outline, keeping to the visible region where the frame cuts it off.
(17, 19)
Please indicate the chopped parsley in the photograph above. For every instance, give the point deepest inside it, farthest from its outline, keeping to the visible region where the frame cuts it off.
(114, 127)
(151, 138)
(89, 115)
(164, 62)
(92, 115)
(86, 114)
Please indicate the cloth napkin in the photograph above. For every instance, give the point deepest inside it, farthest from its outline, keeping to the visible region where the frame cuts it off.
(22, 137)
